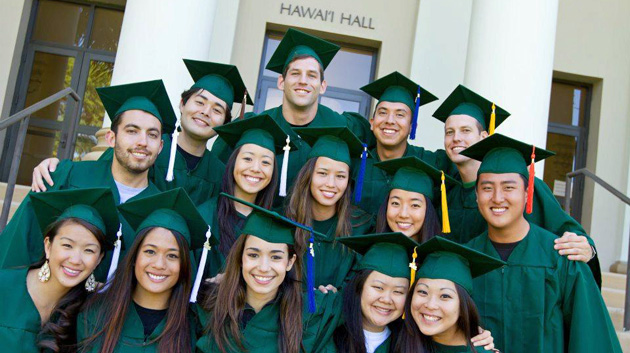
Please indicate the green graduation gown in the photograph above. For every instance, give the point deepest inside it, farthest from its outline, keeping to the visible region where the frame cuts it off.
(20, 322)
(541, 301)
(21, 242)
(201, 183)
(440, 348)
(132, 338)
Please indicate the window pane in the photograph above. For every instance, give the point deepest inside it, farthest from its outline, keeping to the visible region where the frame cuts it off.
(51, 73)
(106, 29)
(563, 162)
(568, 104)
(349, 69)
(340, 105)
(39, 144)
(274, 98)
(100, 75)
(83, 146)
(61, 22)
(272, 45)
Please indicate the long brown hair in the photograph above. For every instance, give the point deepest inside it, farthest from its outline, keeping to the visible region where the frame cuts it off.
(226, 302)
(430, 228)
(58, 334)
(113, 304)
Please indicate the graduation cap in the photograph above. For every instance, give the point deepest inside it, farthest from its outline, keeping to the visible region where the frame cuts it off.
(148, 96)
(392, 254)
(272, 227)
(463, 101)
(415, 175)
(396, 87)
(500, 154)
(263, 131)
(445, 259)
(339, 144)
(297, 43)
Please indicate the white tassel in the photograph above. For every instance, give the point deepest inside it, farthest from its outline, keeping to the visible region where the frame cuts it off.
(114, 264)
(202, 266)
(285, 166)
(171, 158)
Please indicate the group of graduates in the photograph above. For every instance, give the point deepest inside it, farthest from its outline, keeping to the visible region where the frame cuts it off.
(301, 230)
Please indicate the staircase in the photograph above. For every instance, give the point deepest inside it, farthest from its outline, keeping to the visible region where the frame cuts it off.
(18, 195)
(613, 291)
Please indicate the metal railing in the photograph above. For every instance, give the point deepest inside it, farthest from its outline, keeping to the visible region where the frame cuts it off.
(621, 196)
(22, 117)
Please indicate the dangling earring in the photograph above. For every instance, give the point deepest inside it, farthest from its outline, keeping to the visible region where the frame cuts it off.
(90, 284)
(44, 272)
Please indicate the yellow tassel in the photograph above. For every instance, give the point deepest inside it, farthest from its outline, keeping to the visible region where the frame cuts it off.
(446, 225)
(493, 120)
(414, 267)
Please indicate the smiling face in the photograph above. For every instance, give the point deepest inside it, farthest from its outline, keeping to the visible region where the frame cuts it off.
(435, 308)
(73, 254)
(253, 169)
(157, 265)
(391, 123)
(461, 132)
(137, 142)
(202, 112)
(302, 84)
(329, 181)
(501, 198)
(265, 265)
(406, 211)
(382, 300)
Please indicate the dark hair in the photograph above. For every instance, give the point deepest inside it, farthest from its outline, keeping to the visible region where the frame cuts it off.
(226, 302)
(112, 305)
(412, 340)
(299, 57)
(225, 207)
(349, 337)
(194, 90)
(58, 334)
(429, 229)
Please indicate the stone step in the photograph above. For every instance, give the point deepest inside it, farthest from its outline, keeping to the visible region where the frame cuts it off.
(616, 315)
(624, 339)
(614, 280)
(14, 207)
(614, 298)
(19, 193)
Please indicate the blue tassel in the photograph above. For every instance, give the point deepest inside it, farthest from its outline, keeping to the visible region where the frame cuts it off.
(310, 275)
(414, 119)
(359, 187)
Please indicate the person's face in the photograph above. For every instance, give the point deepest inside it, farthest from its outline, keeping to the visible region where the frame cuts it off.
(202, 112)
(329, 181)
(461, 132)
(302, 84)
(137, 142)
(406, 211)
(157, 263)
(435, 307)
(501, 198)
(265, 265)
(382, 300)
(391, 123)
(73, 254)
(253, 168)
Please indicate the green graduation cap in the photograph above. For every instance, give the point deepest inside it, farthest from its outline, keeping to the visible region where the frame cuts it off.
(463, 101)
(222, 80)
(94, 205)
(445, 259)
(296, 43)
(396, 87)
(387, 253)
(148, 96)
(260, 130)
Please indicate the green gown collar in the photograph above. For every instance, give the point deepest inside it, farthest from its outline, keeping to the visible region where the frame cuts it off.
(133, 327)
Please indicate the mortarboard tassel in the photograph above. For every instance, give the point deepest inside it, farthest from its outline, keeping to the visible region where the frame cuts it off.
(171, 158)
(202, 266)
(310, 274)
(115, 256)
(446, 224)
(493, 120)
(285, 168)
(241, 115)
(359, 187)
(530, 183)
(414, 118)
(414, 267)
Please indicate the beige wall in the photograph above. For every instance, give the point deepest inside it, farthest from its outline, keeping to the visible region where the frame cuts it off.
(593, 45)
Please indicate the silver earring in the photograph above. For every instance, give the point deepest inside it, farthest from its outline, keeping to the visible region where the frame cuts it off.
(44, 272)
(90, 284)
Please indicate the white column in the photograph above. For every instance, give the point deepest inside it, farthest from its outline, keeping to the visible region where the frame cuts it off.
(510, 61)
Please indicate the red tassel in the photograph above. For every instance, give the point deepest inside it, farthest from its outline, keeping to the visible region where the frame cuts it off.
(243, 104)
(530, 184)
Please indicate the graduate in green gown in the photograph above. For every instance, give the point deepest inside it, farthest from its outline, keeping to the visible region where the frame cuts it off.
(144, 308)
(541, 301)
(41, 302)
(441, 315)
(300, 60)
(408, 207)
(258, 306)
(321, 198)
(139, 112)
(251, 175)
(394, 120)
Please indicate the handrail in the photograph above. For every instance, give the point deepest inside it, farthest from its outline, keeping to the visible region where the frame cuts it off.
(625, 199)
(22, 117)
